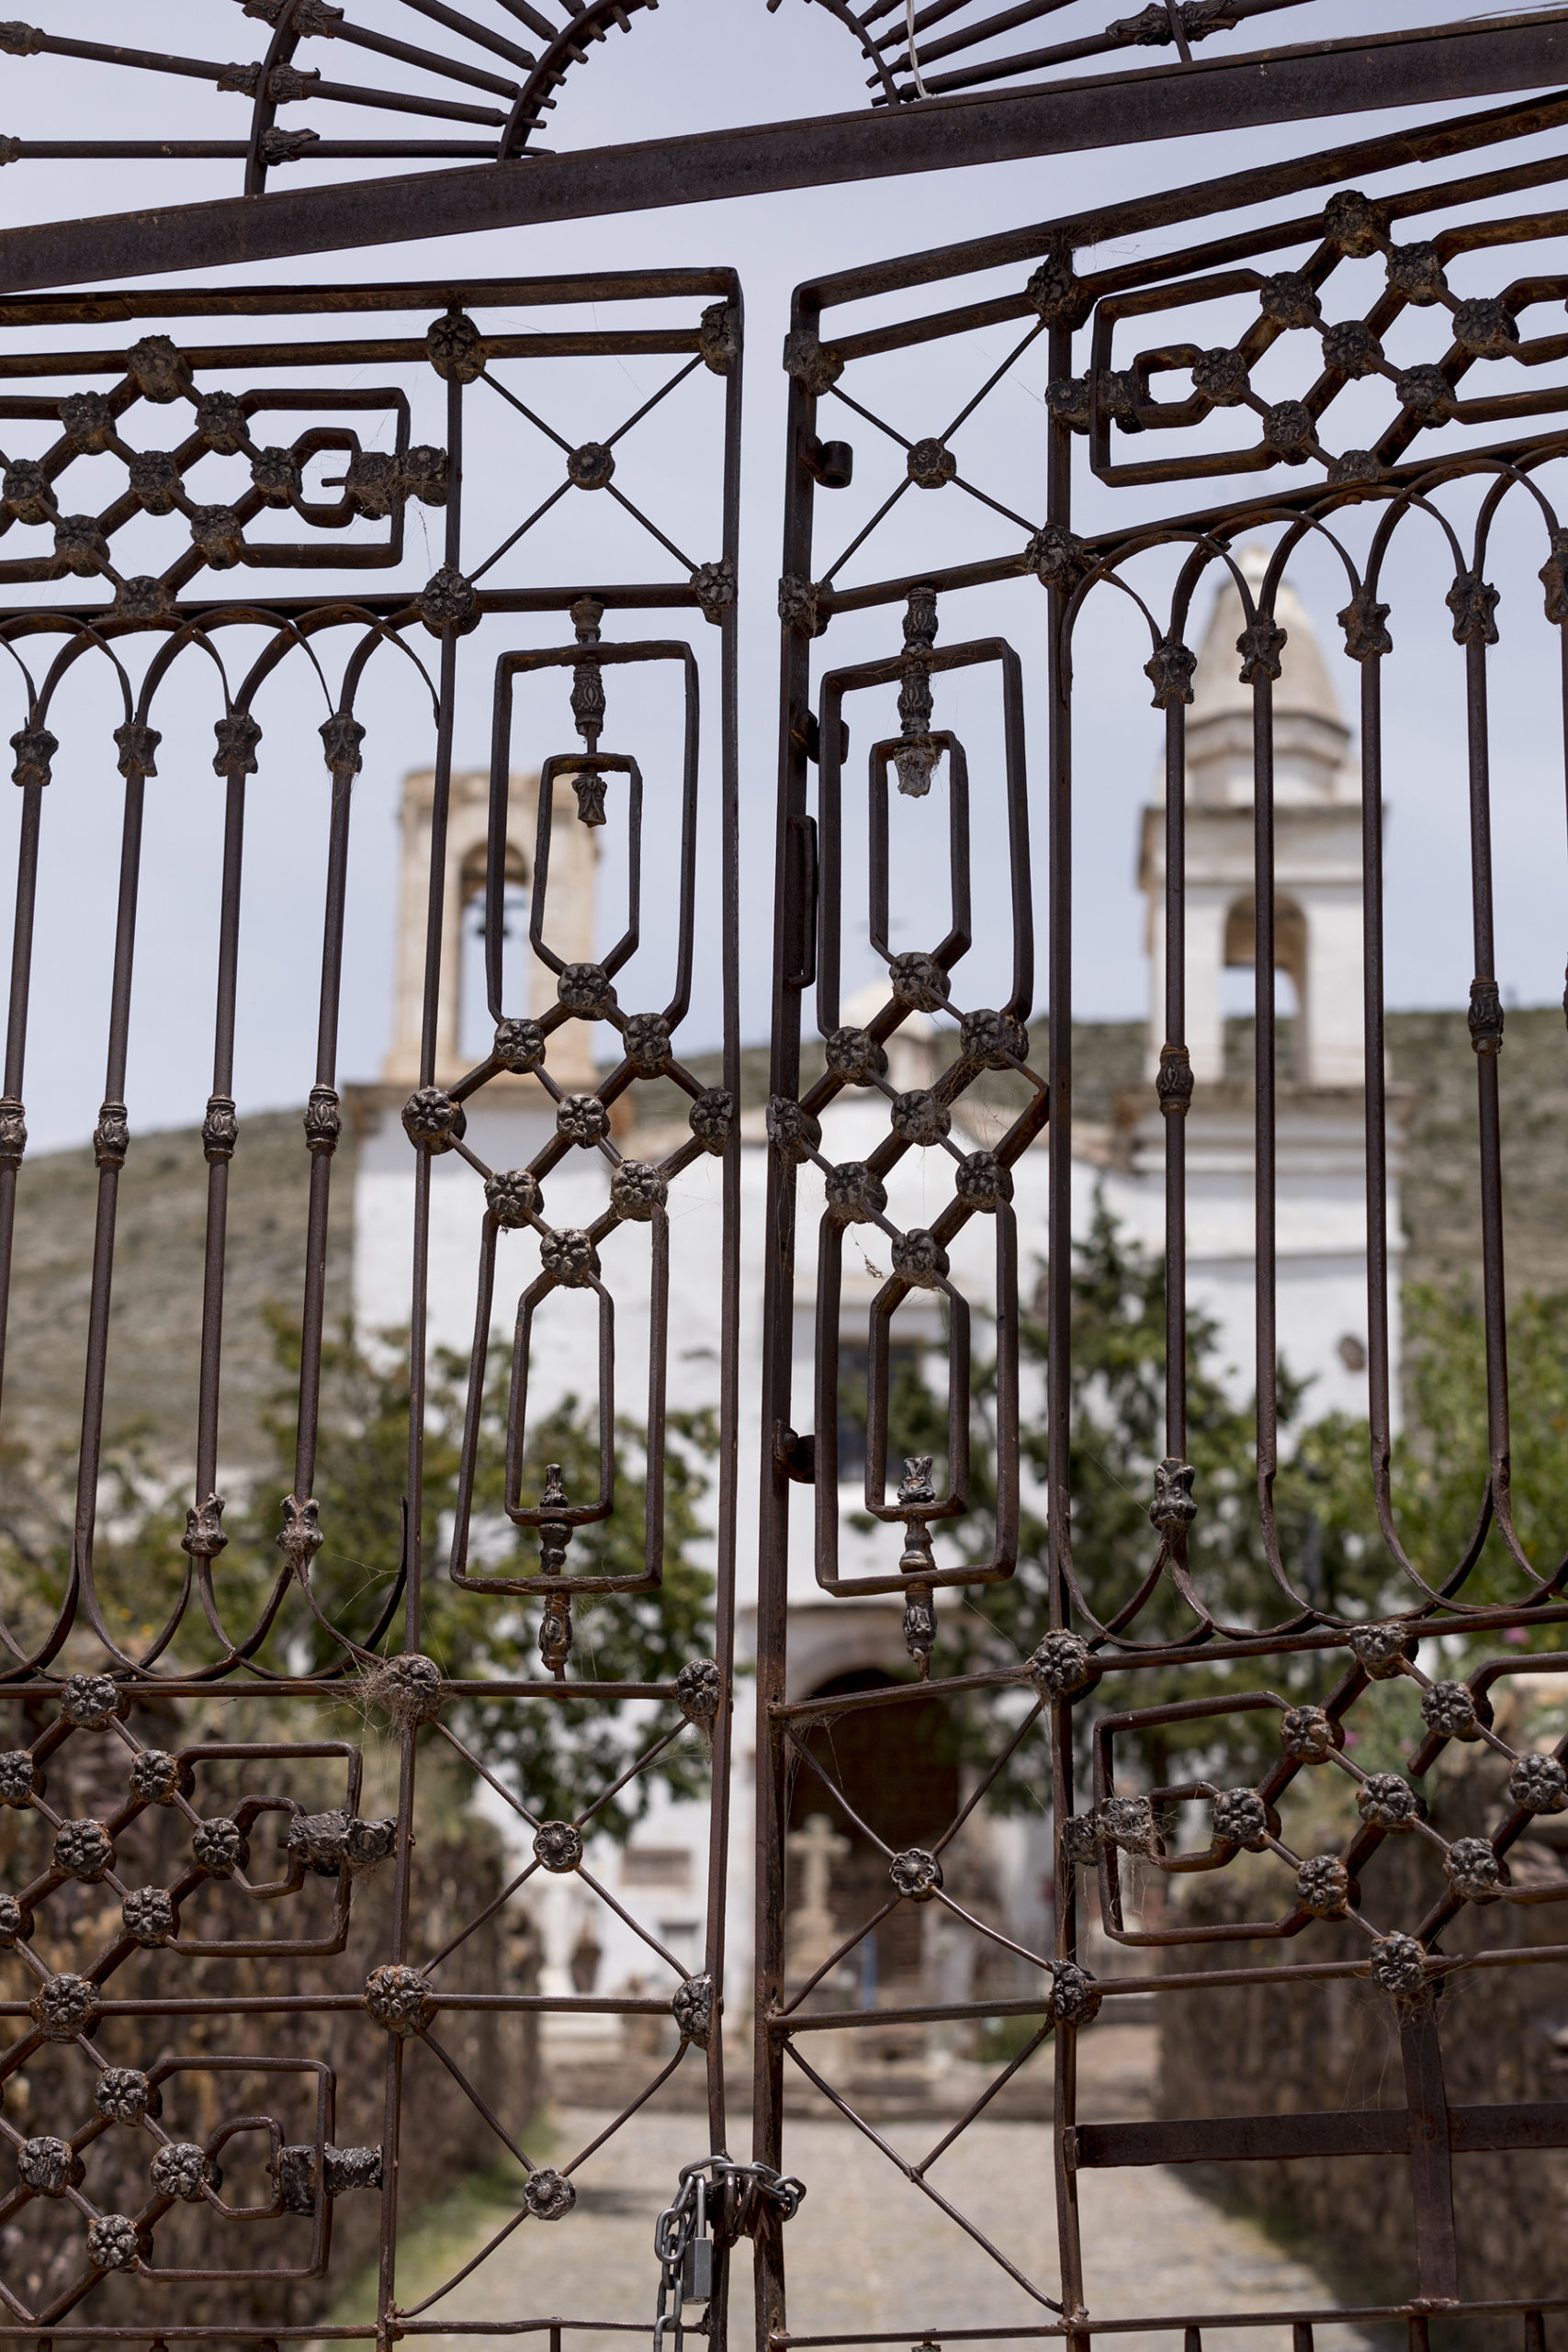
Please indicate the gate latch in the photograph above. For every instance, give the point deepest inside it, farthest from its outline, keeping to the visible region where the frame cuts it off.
(713, 2191)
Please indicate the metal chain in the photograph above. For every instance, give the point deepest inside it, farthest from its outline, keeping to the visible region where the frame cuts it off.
(682, 2239)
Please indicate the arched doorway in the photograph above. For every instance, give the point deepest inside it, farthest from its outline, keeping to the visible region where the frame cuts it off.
(897, 1770)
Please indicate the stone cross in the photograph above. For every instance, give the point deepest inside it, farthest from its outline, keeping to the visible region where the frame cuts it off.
(817, 1846)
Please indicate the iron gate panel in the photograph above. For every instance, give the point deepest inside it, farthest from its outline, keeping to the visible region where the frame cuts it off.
(1329, 283)
(268, 1668)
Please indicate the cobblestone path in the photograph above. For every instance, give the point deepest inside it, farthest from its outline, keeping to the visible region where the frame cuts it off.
(868, 2251)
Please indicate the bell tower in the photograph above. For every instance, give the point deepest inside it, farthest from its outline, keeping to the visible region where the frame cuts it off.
(1320, 1225)
(1317, 848)
(573, 867)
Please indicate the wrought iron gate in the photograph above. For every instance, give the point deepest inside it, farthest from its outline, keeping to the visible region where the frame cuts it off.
(256, 1671)
(139, 1871)
(1322, 287)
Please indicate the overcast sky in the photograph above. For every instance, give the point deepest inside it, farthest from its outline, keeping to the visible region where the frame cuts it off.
(696, 64)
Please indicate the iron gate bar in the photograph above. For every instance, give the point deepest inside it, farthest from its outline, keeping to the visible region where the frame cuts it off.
(343, 355)
(1419, 2313)
(1311, 81)
(1373, 2131)
(342, 2332)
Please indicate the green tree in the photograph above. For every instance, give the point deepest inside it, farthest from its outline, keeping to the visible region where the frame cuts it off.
(1441, 1467)
(1330, 1540)
(560, 1755)
(1117, 1409)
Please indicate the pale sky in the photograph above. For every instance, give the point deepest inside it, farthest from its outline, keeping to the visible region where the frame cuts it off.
(696, 64)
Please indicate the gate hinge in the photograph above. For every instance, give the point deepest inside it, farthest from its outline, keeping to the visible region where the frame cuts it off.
(801, 887)
(830, 464)
(806, 735)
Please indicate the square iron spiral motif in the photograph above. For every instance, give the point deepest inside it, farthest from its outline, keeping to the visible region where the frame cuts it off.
(1123, 1650)
(188, 1927)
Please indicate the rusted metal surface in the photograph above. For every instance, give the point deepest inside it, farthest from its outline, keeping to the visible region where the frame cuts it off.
(1077, 1695)
(1301, 80)
(77, 1687)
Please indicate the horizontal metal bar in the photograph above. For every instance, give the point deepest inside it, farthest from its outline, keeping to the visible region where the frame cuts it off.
(342, 301)
(657, 597)
(1523, 2123)
(1417, 143)
(1112, 1661)
(1199, 1980)
(342, 2332)
(336, 1691)
(1253, 2139)
(1331, 2315)
(378, 351)
(323, 150)
(1316, 79)
(257, 2005)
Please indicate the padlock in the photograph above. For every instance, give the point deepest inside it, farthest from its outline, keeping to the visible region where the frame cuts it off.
(696, 2270)
(696, 2256)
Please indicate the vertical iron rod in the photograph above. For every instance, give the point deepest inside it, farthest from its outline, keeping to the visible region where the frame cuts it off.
(1175, 1121)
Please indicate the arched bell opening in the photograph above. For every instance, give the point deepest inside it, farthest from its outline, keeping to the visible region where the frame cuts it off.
(465, 1032)
(475, 1027)
(1240, 996)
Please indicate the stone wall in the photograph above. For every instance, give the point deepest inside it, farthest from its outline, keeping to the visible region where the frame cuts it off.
(1286, 2049)
(457, 1870)
(1429, 1055)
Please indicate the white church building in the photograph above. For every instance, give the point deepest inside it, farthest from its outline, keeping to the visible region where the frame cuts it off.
(1321, 1204)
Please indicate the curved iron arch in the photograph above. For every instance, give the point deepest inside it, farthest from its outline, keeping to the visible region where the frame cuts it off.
(482, 89)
